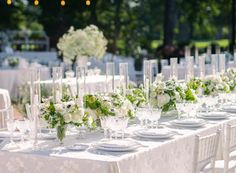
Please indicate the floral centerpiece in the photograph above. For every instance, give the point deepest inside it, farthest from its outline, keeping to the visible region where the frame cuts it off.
(87, 42)
(112, 104)
(59, 116)
(136, 96)
(195, 86)
(212, 85)
(229, 77)
(165, 94)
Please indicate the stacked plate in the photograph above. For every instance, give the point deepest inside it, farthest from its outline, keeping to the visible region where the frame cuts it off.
(214, 115)
(117, 145)
(47, 136)
(154, 133)
(188, 123)
(229, 108)
(77, 147)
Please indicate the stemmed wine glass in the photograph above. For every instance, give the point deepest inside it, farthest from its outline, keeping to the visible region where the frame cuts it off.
(155, 116)
(22, 126)
(118, 124)
(180, 108)
(141, 114)
(105, 125)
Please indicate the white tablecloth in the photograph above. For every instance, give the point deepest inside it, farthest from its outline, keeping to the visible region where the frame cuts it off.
(167, 156)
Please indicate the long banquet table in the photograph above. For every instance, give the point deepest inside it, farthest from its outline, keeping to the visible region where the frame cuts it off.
(163, 156)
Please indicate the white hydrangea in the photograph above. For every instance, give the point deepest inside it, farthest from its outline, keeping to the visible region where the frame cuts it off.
(88, 42)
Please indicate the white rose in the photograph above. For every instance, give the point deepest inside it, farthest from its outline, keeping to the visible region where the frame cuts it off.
(162, 99)
(177, 96)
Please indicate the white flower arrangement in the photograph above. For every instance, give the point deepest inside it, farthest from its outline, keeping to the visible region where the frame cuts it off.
(213, 84)
(112, 104)
(89, 42)
(229, 77)
(164, 94)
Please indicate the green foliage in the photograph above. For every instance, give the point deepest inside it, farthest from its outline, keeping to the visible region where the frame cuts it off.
(136, 96)
(129, 26)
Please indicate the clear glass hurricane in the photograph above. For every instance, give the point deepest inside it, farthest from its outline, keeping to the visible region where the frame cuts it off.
(141, 114)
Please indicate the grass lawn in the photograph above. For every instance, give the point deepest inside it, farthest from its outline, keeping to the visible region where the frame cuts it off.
(203, 44)
(199, 44)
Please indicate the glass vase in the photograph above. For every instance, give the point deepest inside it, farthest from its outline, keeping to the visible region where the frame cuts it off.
(61, 133)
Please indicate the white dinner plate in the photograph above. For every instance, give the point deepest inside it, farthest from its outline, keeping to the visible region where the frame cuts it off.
(47, 136)
(154, 132)
(116, 143)
(197, 125)
(230, 108)
(126, 149)
(188, 121)
(151, 134)
(214, 115)
(77, 147)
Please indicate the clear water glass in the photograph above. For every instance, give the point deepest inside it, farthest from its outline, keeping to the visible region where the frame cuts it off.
(11, 126)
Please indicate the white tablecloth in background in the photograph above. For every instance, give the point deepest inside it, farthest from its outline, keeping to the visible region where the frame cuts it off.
(12, 79)
(93, 83)
(168, 156)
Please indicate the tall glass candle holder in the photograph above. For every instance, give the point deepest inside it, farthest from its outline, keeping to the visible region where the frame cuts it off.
(208, 50)
(35, 100)
(218, 51)
(214, 64)
(201, 66)
(57, 84)
(174, 69)
(221, 63)
(187, 51)
(124, 77)
(110, 76)
(234, 59)
(80, 84)
(153, 70)
(196, 54)
(189, 68)
(35, 90)
(147, 75)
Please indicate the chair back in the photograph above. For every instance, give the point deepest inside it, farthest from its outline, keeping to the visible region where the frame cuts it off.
(5, 108)
(5, 114)
(205, 152)
(229, 144)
